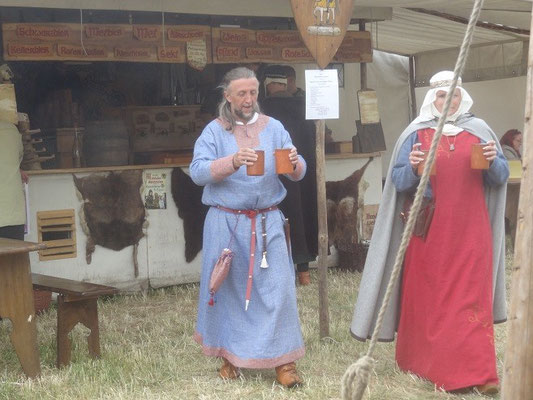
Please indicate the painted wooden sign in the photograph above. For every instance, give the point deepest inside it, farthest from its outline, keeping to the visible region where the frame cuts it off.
(322, 25)
(273, 46)
(108, 42)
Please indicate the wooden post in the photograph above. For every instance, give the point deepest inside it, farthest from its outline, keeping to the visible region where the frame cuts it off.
(413, 113)
(322, 229)
(518, 368)
(362, 66)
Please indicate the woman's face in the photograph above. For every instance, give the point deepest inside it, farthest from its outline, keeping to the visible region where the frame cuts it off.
(454, 106)
(517, 142)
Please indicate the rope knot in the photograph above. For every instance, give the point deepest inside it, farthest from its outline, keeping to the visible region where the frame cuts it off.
(356, 378)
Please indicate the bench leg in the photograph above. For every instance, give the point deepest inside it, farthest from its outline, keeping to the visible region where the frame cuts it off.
(69, 314)
(16, 304)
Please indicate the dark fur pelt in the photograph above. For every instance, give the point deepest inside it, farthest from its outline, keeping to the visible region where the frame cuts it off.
(342, 206)
(113, 208)
(188, 198)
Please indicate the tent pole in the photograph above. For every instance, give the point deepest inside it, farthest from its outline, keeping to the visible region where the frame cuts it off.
(322, 229)
(518, 367)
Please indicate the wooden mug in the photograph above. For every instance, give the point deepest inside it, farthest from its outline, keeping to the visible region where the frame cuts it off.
(258, 167)
(477, 158)
(283, 162)
(422, 164)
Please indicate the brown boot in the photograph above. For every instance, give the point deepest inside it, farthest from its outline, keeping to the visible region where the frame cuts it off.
(228, 370)
(488, 388)
(287, 376)
(304, 278)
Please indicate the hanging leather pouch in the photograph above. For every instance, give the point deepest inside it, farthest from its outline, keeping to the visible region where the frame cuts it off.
(424, 217)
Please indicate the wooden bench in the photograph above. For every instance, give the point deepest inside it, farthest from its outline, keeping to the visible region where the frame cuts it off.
(76, 303)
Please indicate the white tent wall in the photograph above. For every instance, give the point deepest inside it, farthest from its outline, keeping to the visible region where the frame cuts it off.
(501, 102)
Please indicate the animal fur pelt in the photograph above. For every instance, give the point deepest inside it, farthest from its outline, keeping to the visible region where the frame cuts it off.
(113, 210)
(188, 199)
(342, 208)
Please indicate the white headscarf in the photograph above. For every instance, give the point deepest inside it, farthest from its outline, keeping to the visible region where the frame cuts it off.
(442, 81)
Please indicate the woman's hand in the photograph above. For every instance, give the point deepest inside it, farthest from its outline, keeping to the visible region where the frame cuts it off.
(416, 156)
(293, 157)
(490, 151)
(244, 156)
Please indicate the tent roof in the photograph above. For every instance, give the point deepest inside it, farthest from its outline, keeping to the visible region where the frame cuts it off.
(400, 26)
(412, 31)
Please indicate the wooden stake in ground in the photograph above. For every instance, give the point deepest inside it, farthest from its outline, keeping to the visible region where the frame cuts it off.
(322, 228)
(518, 372)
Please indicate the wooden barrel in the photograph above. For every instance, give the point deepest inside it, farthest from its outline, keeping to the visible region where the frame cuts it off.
(106, 143)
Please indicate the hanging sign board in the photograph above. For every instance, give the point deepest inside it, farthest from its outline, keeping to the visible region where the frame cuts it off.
(107, 42)
(233, 45)
(322, 25)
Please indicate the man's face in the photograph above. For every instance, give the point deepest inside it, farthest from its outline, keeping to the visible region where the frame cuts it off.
(242, 96)
(274, 87)
(454, 106)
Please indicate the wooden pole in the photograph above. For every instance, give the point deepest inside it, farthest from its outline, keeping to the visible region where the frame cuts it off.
(518, 367)
(362, 66)
(413, 113)
(322, 229)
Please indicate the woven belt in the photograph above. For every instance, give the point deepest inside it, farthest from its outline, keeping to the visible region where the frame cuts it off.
(252, 214)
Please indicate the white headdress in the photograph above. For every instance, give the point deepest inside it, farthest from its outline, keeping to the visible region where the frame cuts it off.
(442, 81)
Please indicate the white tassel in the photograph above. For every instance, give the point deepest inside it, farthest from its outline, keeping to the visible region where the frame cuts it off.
(264, 263)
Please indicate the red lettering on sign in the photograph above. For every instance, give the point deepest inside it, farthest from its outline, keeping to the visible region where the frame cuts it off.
(234, 36)
(272, 38)
(225, 53)
(104, 32)
(259, 52)
(169, 54)
(132, 53)
(25, 31)
(296, 53)
(147, 33)
(26, 50)
(183, 35)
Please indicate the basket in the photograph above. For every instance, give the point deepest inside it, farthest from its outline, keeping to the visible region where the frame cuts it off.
(41, 300)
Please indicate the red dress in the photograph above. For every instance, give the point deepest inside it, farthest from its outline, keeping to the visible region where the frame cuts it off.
(445, 332)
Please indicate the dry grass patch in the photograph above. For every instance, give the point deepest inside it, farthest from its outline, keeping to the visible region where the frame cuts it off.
(148, 353)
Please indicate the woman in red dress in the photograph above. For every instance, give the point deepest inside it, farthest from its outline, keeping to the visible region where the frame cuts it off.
(445, 321)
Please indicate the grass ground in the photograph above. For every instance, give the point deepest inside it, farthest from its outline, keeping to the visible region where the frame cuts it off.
(148, 353)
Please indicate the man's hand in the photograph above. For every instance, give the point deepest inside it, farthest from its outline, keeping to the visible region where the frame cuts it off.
(244, 156)
(293, 157)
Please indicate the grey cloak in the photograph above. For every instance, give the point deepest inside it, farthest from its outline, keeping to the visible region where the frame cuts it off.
(386, 240)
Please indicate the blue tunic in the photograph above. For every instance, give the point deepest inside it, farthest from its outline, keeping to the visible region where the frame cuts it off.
(267, 334)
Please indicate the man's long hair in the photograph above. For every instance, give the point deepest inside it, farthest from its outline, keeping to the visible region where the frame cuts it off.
(224, 108)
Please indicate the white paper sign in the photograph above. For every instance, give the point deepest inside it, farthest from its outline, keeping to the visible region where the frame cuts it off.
(321, 94)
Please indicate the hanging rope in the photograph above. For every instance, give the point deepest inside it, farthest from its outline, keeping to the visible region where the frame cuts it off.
(356, 377)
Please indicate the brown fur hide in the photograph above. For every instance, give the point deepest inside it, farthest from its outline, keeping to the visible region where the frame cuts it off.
(113, 208)
(342, 206)
(188, 198)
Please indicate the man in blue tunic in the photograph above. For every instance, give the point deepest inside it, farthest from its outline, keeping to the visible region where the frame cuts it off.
(252, 321)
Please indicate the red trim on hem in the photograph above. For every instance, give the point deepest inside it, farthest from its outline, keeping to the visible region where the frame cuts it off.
(252, 363)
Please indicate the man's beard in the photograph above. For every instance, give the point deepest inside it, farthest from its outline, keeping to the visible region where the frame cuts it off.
(242, 115)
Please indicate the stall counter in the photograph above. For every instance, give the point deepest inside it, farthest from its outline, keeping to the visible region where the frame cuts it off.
(161, 251)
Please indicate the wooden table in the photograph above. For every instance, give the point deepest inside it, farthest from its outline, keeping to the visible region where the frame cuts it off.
(16, 301)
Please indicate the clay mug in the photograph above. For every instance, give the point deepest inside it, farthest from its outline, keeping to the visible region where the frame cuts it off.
(477, 158)
(283, 162)
(258, 167)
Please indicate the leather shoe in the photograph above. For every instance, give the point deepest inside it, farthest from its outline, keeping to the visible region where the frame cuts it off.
(228, 370)
(488, 388)
(304, 278)
(287, 376)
